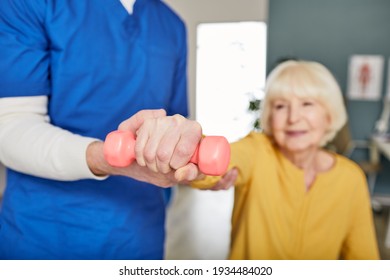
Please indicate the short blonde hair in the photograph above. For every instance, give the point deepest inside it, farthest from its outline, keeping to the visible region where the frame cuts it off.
(305, 79)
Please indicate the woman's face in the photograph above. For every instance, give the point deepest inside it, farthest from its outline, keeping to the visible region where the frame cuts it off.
(298, 124)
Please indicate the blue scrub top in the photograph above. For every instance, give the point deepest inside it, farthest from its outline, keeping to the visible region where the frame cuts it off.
(98, 65)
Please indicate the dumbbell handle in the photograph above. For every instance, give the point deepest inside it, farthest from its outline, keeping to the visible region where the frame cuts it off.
(212, 154)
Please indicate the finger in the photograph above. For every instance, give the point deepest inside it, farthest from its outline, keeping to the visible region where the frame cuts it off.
(187, 173)
(135, 122)
(190, 135)
(139, 148)
(165, 150)
(158, 151)
(226, 181)
(142, 139)
(146, 175)
(230, 178)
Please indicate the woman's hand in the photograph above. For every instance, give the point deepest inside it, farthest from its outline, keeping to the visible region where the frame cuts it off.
(227, 180)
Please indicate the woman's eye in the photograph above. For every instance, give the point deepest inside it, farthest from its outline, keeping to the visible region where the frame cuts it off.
(307, 103)
(279, 106)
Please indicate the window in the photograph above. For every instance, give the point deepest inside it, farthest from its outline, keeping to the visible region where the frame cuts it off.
(231, 65)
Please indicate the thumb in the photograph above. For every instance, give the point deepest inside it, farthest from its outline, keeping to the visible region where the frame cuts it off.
(187, 173)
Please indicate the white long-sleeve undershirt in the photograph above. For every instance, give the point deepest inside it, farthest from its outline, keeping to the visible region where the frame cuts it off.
(31, 145)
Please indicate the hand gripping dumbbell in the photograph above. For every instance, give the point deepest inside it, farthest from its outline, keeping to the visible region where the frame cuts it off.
(212, 154)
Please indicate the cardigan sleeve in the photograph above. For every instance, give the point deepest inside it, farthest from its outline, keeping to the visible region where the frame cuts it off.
(361, 243)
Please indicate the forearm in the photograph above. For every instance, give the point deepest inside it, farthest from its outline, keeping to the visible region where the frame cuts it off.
(30, 144)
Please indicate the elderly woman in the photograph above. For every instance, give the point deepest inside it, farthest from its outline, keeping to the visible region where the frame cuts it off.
(293, 199)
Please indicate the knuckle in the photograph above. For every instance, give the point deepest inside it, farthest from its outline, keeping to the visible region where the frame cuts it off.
(149, 156)
(163, 156)
(197, 127)
(161, 113)
(194, 127)
(177, 119)
(183, 151)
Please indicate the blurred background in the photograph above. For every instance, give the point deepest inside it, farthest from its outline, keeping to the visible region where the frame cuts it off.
(232, 47)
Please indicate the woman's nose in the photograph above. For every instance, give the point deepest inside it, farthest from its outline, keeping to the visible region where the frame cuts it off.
(294, 114)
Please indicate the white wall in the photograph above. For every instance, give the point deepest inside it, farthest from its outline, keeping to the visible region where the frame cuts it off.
(198, 222)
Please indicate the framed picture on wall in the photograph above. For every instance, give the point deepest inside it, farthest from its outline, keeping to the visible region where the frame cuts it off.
(365, 77)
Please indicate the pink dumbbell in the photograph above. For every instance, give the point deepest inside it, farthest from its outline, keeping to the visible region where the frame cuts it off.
(212, 154)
